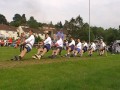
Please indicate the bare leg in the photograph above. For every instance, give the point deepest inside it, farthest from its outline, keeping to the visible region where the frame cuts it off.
(76, 52)
(53, 52)
(23, 53)
(68, 51)
(57, 51)
(81, 52)
(44, 51)
(39, 50)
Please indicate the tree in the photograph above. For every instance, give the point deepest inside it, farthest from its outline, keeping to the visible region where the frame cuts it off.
(3, 20)
(59, 25)
(119, 27)
(32, 23)
(79, 21)
(18, 20)
(23, 20)
(98, 32)
(74, 27)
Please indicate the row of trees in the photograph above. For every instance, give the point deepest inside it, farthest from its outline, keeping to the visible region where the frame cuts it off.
(75, 27)
(78, 29)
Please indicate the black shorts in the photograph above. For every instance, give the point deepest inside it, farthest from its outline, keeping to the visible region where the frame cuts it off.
(47, 46)
(85, 49)
(60, 48)
(28, 48)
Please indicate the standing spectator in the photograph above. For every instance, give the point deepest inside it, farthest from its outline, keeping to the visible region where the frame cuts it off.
(61, 34)
(22, 39)
(5, 42)
(10, 41)
(17, 43)
(0, 42)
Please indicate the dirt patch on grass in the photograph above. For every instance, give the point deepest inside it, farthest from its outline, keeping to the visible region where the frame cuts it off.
(29, 61)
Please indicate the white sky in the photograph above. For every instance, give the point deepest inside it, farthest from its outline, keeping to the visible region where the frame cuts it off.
(104, 13)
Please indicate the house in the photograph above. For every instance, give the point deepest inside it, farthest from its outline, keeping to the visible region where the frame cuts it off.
(8, 31)
(13, 32)
(52, 31)
(25, 29)
(48, 29)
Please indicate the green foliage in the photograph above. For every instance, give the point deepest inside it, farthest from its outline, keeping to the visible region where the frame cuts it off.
(59, 25)
(38, 39)
(18, 20)
(32, 23)
(77, 29)
(3, 20)
(111, 35)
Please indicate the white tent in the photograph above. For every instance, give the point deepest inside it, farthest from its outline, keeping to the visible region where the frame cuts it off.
(116, 46)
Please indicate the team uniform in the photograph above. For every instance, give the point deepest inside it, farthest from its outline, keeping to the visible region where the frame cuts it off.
(92, 47)
(59, 44)
(29, 43)
(85, 47)
(72, 45)
(78, 47)
(102, 46)
(58, 48)
(47, 43)
(28, 47)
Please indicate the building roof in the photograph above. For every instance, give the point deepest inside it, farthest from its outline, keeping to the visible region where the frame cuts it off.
(8, 28)
(34, 30)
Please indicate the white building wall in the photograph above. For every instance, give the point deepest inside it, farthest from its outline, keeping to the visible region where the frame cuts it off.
(7, 33)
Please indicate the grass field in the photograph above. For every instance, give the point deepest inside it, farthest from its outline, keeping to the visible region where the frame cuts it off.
(80, 73)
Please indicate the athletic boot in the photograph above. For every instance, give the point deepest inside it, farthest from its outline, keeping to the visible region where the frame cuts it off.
(39, 57)
(34, 56)
(53, 56)
(19, 58)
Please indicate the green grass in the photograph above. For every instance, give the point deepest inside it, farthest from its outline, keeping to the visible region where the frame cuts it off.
(80, 73)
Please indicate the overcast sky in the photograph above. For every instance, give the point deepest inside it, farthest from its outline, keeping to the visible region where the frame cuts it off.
(104, 13)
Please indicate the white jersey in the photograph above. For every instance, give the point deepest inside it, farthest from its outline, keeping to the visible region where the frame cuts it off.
(48, 41)
(93, 46)
(102, 45)
(72, 43)
(30, 41)
(85, 45)
(60, 43)
(79, 45)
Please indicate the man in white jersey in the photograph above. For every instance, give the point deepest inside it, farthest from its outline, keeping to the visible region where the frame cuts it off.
(102, 47)
(58, 47)
(28, 46)
(78, 48)
(92, 48)
(47, 45)
(84, 48)
(71, 47)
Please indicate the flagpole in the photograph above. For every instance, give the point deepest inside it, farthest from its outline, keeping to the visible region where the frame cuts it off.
(89, 21)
